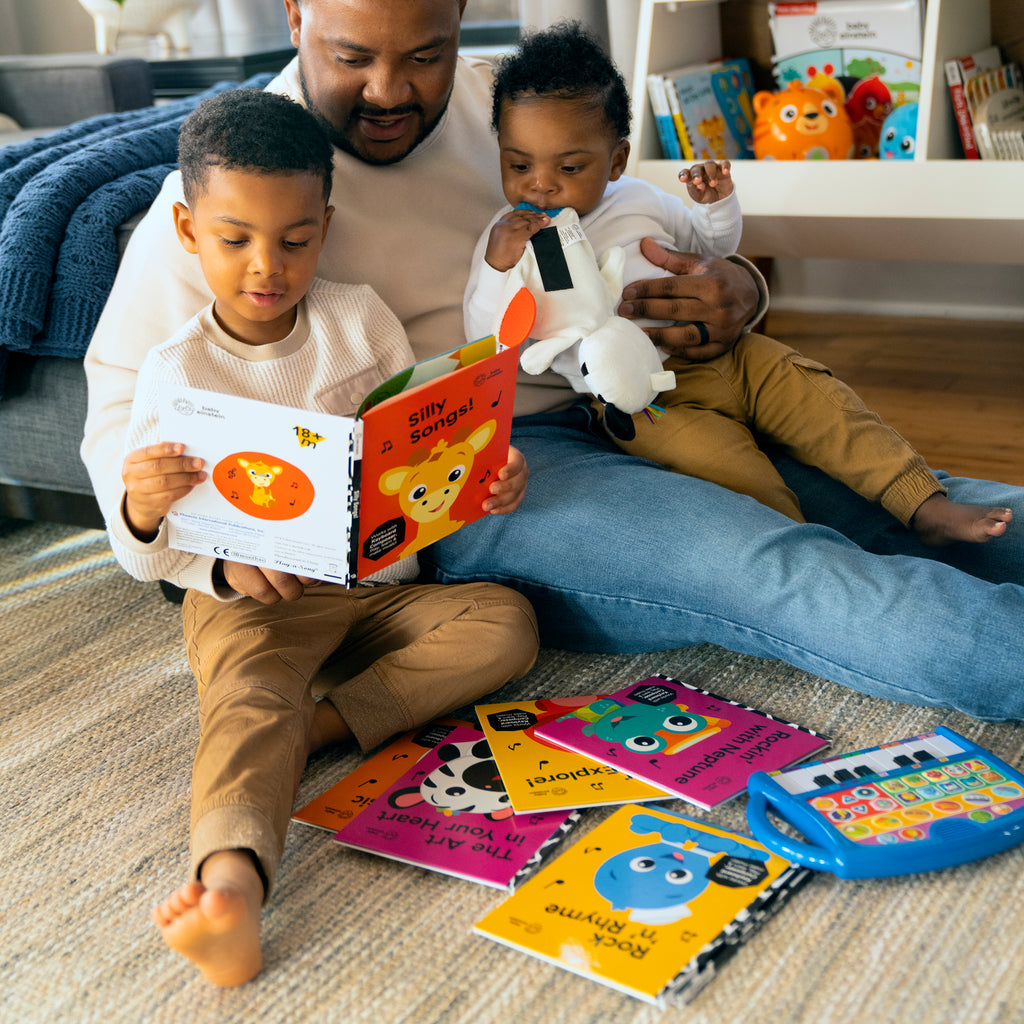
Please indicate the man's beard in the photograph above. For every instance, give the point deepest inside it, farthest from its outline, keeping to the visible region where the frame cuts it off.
(344, 143)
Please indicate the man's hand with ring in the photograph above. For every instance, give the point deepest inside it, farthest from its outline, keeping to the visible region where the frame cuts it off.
(710, 301)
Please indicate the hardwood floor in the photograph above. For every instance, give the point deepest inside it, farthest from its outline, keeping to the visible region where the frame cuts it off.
(953, 388)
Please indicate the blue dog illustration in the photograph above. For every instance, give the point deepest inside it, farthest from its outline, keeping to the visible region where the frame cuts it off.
(657, 882)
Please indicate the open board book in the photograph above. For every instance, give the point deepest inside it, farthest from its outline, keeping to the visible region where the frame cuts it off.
(541, 776)
(688, 742)
(338, 498)
(648, 902)
(449, 812)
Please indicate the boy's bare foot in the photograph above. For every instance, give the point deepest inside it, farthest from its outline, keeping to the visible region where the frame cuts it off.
(940, 521)
(216, 923)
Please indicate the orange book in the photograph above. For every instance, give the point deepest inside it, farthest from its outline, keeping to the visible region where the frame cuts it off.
(338, 498)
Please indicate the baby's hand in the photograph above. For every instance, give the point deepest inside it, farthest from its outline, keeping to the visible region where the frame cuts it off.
(154, 478)
(509, 235)
(707, 182)
(508, 490)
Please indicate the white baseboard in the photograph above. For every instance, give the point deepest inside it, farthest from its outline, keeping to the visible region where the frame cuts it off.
(887, 288)
(809, 304)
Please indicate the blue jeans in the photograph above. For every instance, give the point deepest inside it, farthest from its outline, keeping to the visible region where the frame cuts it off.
(617, 554)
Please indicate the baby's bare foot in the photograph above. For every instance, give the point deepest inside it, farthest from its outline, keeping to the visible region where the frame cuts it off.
(940, 521)
(217, 929)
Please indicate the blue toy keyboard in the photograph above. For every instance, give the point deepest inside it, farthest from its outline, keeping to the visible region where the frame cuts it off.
(918, 804)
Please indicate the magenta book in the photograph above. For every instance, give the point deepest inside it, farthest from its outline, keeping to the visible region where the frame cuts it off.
(450, 813)
(687, 741)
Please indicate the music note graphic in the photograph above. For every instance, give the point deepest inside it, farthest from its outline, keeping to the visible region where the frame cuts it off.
(387, 447)
(484, 477)
(496, 401)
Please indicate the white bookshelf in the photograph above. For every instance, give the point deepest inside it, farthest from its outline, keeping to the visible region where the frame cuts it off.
(935, 208)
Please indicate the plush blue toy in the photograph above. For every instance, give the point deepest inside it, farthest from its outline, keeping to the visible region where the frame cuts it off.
(899, 134)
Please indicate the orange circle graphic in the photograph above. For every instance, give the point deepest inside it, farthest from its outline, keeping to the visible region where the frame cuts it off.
(263, 486)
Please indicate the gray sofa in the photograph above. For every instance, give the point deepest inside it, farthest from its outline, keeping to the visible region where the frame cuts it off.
(43, 404)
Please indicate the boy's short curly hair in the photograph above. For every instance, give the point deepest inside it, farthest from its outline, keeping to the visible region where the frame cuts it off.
(251, 130)
(564, 61)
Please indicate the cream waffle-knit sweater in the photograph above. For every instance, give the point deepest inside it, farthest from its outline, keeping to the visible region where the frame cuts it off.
(345, 342)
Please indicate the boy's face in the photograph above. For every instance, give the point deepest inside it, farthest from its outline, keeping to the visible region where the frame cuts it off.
(377, 74)
(258, 237)
(557, 152)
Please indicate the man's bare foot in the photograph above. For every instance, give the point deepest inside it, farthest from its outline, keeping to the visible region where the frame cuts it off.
(328, 727)
(215, 923)
(940, 521)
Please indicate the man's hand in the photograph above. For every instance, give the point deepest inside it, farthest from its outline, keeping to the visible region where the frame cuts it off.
(710, 300)
(508, 490)
(268, 586)
(154, 478)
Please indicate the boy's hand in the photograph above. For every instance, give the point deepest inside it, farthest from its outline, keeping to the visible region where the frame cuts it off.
(509, 235)
(268, 586)
(707, 182)
(154, 478)
(508, 490)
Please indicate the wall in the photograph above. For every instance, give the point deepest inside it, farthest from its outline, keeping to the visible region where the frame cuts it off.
(969, 291)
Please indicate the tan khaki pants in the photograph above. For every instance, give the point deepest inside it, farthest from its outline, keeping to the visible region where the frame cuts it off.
(393, 657)
(765, 391)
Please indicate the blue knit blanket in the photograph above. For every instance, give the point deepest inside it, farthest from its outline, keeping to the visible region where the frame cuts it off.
(62, 198)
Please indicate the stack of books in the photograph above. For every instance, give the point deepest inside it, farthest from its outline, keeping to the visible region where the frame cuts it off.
(704, 111)
(988, 104)
(649, 902)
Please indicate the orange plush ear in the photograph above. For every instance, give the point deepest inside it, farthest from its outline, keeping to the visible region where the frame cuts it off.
(518, 320)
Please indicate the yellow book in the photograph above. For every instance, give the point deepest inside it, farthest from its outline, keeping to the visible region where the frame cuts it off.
(540, 776)
(648, 902)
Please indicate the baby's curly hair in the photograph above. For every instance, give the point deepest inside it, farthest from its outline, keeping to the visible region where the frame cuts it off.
(565, 61)
(251, 130)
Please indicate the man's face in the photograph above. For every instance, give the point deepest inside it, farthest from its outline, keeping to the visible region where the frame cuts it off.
(377, 74)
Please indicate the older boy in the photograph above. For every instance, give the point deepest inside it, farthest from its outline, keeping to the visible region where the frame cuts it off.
(257, 178)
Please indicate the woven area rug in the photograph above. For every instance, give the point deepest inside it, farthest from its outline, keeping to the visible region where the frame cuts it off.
(98, 730)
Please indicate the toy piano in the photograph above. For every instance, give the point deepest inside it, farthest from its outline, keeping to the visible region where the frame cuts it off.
(918, 804)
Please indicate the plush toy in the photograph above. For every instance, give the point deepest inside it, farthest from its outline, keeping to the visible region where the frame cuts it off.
(801, 123)
(899, 134)
(868, 104)
(576, 332)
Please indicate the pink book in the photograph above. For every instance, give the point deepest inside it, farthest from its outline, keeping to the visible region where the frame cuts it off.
(450, 813)
(686, 741)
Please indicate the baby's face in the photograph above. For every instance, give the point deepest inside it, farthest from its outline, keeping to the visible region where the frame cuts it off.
(557, 152)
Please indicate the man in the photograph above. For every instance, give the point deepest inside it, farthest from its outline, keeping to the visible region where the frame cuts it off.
(616, 554)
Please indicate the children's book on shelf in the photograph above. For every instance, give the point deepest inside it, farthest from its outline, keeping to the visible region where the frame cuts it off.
(959, 71)
(671, 148)
(338, 498)
(449, 812)
(996, 101)
(871, 48)
(339, 804)
(689, 742)
(540, 776)
(716, 106)
(648, 902)
(850, 38)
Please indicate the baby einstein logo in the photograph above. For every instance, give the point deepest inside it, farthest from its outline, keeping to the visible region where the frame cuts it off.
(263, 486)
(823, 32)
